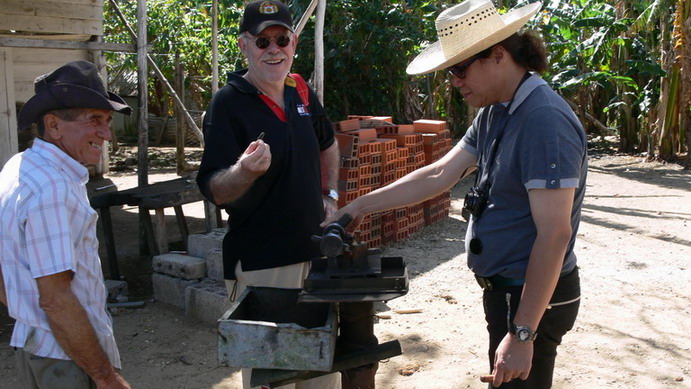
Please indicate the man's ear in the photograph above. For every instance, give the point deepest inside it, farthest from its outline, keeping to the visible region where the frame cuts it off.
(242, 44)
(498, 53)
(50, 125)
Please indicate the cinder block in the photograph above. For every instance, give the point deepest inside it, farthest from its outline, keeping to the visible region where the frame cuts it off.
(198, 245)
(207, 301)
(214, 264)
(117, 290)
(181, 266)
(170, 290)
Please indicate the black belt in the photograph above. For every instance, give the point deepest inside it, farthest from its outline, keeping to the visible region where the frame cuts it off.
(489, 283)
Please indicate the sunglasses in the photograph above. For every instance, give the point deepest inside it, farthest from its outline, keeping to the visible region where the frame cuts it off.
(460, 69)
(264, 42)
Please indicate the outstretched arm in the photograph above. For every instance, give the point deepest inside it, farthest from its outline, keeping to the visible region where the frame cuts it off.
(413, 188)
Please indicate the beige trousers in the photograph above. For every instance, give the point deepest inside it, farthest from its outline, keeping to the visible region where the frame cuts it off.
(289, 277)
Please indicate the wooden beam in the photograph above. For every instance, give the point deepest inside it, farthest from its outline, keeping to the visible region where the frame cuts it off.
(60, 44)
(305, 17)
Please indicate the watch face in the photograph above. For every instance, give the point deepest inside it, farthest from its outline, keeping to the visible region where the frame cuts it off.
(523, 334)
(333, 194)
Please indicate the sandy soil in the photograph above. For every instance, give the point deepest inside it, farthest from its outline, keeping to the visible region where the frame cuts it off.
(634, 330)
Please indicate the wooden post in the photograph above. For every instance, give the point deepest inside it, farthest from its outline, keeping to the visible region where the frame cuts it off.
(214, 47)
(319, 50)
(143, 90)
(143, 122)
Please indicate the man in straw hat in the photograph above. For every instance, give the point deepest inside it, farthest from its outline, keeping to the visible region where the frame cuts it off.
(524, 209)
(51, 279)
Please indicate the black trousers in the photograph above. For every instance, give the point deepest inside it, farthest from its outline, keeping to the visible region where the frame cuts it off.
(556, 322)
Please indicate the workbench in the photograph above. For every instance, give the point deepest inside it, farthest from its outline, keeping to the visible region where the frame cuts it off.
(158, 196)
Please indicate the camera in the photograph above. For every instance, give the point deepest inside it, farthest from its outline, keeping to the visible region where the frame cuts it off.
(475, 202)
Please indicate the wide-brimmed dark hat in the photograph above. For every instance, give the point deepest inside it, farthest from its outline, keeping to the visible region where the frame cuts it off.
(261, 14)
(74, 85)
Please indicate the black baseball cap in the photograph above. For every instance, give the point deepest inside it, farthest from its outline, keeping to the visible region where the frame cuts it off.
(261, 14)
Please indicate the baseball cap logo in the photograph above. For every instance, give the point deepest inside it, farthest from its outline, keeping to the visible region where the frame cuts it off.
(268, 8)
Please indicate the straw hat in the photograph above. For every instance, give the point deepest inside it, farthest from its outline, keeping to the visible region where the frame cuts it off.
(466, 29)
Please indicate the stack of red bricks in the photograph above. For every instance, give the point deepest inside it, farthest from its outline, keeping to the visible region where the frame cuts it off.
(375, 153)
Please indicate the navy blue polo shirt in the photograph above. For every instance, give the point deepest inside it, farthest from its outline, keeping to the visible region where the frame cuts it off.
(271, 225)
(543, 147)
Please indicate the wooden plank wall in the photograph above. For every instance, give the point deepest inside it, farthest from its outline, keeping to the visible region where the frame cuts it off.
(81, 17)
(30, 63)
(8, 116)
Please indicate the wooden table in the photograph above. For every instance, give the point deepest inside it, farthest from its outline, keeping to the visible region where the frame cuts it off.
(158, 196)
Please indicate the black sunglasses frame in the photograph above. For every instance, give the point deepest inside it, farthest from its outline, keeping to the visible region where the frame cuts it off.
(460, 69)
(264, 42)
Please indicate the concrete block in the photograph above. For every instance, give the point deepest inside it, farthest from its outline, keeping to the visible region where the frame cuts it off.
(117, 290)
(198, 245)
(170, 290)
(207, 301)
(214, 264)
(181, 266)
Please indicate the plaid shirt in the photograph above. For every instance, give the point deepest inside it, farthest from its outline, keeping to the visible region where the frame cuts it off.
(46, 227)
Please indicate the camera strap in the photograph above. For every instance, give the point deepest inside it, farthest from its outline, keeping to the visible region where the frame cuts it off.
(500, 113)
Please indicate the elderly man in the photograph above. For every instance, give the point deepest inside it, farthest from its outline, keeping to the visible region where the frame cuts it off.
(49, 261)
(525, 206)
(271, 161)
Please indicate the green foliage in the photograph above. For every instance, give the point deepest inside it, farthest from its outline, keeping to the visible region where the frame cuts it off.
(607, 57)
(367, 47)
(177, 26)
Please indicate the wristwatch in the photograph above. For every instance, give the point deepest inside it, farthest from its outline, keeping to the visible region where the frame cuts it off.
(331, 193)
(523, 333)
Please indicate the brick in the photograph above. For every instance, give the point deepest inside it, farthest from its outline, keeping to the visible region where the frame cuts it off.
(427, 125)
(180, 266)
(348, 145)
(347, 197)
(198, 245)
(349, 163)
(405, 140)
(348, 125)
(364, 134)
(429, 139)
(382, 118)
(363, 148)
(400, 173)
(396, 129)
(358, 117)
(207, 301)
(214, 265)
(170, 290)
(348, 185)
(348, 174)
(364, 190)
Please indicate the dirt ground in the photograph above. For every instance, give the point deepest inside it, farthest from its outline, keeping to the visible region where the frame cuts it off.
(634, 328)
